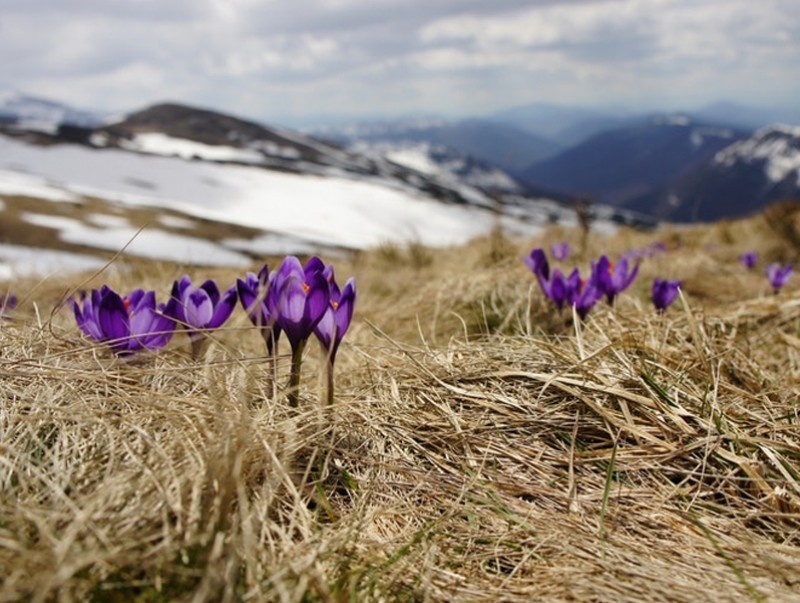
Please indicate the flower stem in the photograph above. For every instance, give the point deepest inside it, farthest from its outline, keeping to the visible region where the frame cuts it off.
(272, 358)
(294, 376)
(198, 345)
(330, 382)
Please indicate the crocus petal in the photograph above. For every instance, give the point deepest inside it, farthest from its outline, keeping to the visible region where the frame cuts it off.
(537, 262)
(139, 297)
(558, 289)
(159, 331)
(326, 329)
(318, 300)
(314, 264)
(346, 305)
(292, 302)
(112, 317)
(210, 287)
(631, 276)
(248, 295)
(141, 316)
(224, 308)
(198, 308)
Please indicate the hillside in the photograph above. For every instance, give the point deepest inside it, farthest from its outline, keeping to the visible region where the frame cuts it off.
(204, 188)
(480, 446)
(623, 164)
(736, 181)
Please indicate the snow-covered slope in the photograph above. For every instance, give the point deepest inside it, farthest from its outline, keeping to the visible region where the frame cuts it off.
(443, 163)
(776, 149)
(279, 191)
(324, 209)
(297, 213)
(737, 180)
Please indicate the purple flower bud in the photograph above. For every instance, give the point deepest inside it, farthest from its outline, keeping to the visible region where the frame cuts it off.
(749, 259)
(7, 302)
(537, 262)
(253, 293)
(778, 275)
(336, 320)
(664, 293)
(560, 251)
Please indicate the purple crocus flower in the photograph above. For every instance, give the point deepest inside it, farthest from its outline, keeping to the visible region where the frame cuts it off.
(333, 325)
(7, 302)
(556, 287)
(561, 289)
(199, 309)
(298, 298)
(335, 321)
(664, 293)
(537, 262)
(778, 275)
(613, 279)
(584, 295)
(253, 293)
(560, 250)
(127, 324)
(749, 259)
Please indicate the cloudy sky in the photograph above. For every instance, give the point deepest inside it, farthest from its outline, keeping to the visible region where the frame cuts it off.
(283, 60)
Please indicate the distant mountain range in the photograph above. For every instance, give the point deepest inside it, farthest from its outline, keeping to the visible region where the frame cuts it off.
(34, 113)
(661, 165)
(621, 165)
(665, 166)
(505, 146)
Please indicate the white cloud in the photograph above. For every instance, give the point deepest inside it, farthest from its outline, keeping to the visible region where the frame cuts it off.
(267, 57)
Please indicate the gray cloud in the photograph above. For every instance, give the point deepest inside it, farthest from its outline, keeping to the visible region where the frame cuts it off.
(275, 58)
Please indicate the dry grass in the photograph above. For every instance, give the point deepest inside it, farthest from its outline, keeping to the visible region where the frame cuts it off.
(481, 448)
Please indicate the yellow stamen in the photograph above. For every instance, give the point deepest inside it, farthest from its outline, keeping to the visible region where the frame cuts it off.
(335, 305)
(306, 288)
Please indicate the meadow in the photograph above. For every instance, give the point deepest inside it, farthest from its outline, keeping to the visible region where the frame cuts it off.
(481, 445)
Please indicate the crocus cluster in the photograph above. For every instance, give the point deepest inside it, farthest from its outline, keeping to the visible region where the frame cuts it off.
(127, 323)
(297, 300)
(605, 279)
(777, 275)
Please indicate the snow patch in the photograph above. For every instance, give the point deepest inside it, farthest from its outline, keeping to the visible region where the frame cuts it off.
(175, 222)
(17, 261)
(49, 221)
(29, 185)
(327, 210)
(108, 221)
(156, 143)
(777, 146)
